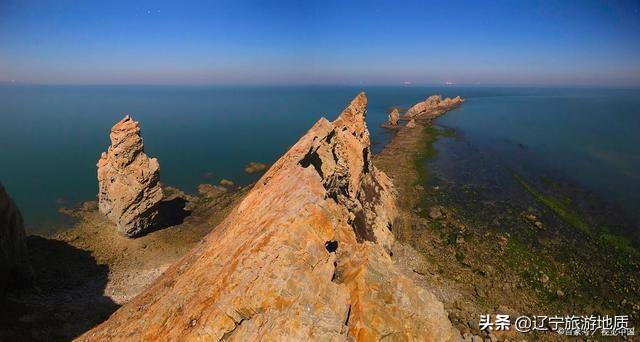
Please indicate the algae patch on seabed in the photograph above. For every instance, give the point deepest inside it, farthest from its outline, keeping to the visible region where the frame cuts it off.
(620, 242)
(428, 152)
(560, 208)
(557, 206)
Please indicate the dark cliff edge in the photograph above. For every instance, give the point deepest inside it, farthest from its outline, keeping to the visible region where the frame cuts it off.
(15, 270)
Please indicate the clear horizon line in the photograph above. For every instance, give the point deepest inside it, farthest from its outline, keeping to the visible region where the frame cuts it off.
(330, 84)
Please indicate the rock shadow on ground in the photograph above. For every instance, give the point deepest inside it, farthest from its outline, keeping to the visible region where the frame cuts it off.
(65, 298)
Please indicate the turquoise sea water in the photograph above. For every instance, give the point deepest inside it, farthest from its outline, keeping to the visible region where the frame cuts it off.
(52, 136)
(589, 137)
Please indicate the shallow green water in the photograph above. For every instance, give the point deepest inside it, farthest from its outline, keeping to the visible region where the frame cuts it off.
(586, 136)
(52, 136)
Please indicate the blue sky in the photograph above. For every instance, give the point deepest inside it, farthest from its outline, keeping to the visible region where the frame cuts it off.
(320, 42)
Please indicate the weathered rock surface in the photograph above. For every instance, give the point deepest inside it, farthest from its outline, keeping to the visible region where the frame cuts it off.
(14, 260)
(411, 123)
(305, 256)
(129, 181)
(394, 116)
(433, 105)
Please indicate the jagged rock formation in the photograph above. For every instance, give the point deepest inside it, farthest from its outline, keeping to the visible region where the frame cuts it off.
(394, 116)
(129, 181)
(14, 260)
(432, 104)
(305, 256)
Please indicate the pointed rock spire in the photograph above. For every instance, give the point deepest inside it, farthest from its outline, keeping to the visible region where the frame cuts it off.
(352, 118)
(394, 116)
(129, 181)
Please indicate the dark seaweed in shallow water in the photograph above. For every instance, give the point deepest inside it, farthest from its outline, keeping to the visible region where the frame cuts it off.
(542, 223)
(583, 137)
(522, 178)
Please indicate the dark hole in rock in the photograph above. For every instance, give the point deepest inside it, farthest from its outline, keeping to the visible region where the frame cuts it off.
(331, 135)
(365, 159)
(312, 158)
(331, 246)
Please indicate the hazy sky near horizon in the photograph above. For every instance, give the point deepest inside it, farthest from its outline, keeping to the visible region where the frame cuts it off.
(580, 42)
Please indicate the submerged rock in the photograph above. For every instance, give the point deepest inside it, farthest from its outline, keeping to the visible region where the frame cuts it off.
(255, 167)
(129, 181)
(211, 191)
(15, 269)
(226, 182)
(305, 256)
(435, 213)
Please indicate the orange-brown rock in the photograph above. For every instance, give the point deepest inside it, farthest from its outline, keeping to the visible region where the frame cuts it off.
(394, 116)
(129, 181)
(433, 106)
(411, 123)
(14, 260)
(305, 256)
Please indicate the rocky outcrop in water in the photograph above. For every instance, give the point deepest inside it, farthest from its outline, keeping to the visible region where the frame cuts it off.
(129, 181)
(255, 167)
(14, 260)
(433, 106)
(305, 256)
(394, 116)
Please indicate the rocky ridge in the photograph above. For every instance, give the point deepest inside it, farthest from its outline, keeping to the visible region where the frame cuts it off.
(129, 181)
(433, 106)
(14, 259)
(305, 255)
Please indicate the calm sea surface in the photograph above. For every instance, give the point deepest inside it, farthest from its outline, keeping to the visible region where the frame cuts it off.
(52, 136)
